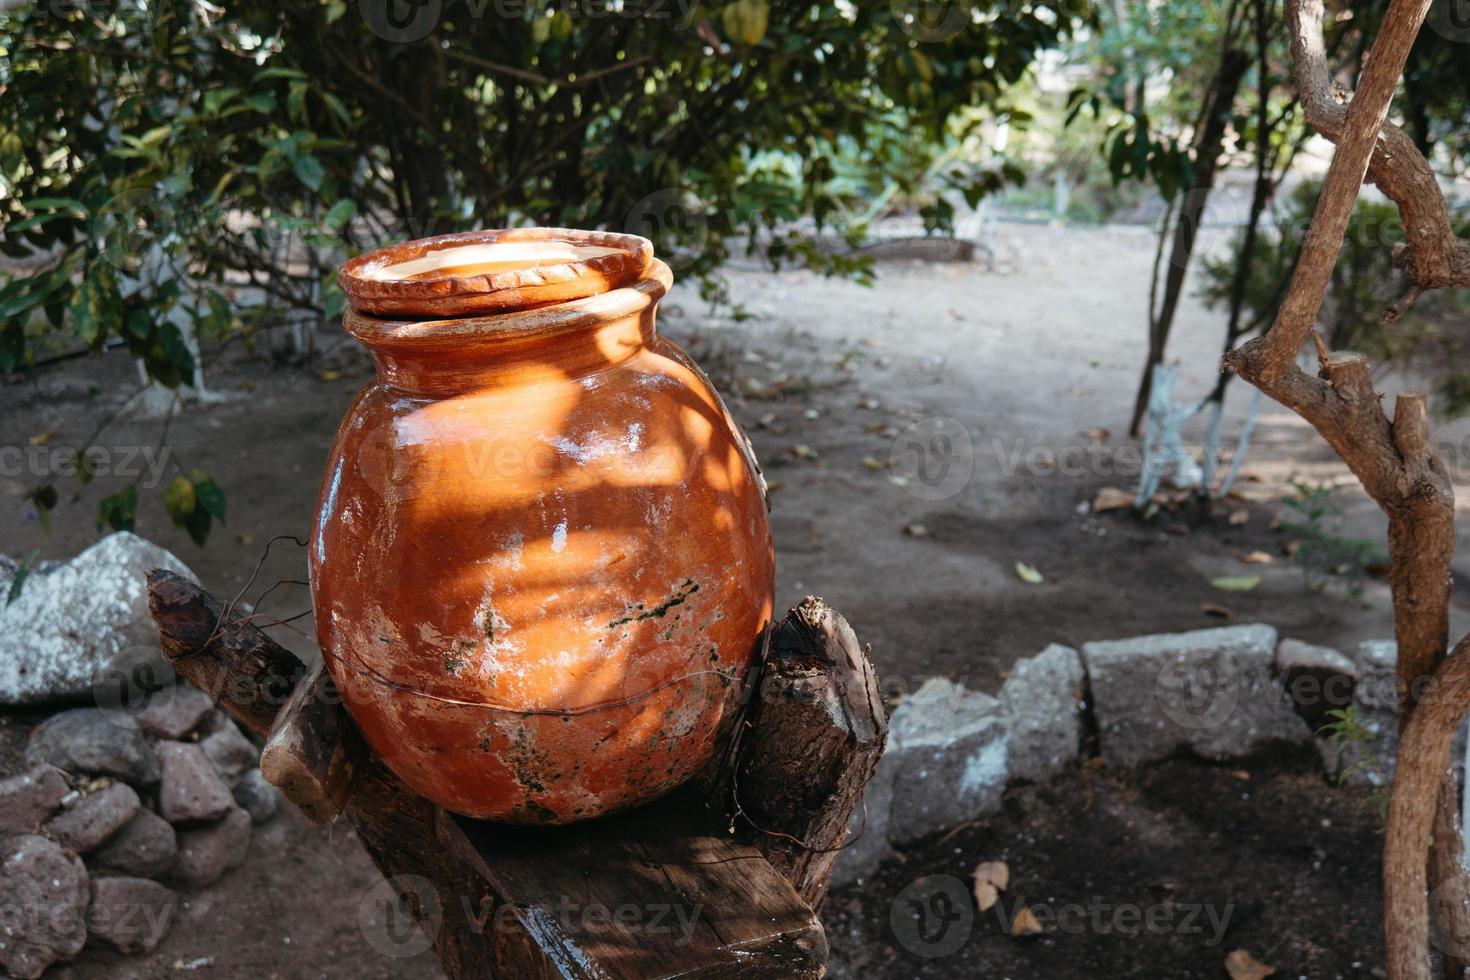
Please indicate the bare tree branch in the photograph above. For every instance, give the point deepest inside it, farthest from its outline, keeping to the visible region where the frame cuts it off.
(1394, 459)
(1432, 258)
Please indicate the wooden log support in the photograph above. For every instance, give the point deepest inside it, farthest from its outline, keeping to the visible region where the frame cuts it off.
(810, 744)
(662, 891)
(314, 749)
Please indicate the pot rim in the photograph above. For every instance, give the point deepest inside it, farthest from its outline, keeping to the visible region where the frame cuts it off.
(515, 289)
(459, 333)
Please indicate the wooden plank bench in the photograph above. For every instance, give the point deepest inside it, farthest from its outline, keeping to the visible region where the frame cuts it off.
(723, 878)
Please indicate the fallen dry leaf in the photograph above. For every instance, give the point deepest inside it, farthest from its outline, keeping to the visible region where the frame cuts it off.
(1236, 583)
(991, 878)
(1216, 610)
(1025, 923)
(1028, 574)
(916, 530)
(1111, 498)
(1258, 558)
(803, 451)
(42, 438)
(1098, 435)
(1238, 517)
(328, 375)
(874, 463)
(1243, 966)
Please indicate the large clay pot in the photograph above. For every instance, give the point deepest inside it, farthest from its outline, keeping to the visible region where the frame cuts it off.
(541, 562)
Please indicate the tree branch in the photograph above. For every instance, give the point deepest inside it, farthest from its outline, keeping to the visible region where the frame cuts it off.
(1394, 459)
(1357, 135)
(1433, 257)
(1424, 755)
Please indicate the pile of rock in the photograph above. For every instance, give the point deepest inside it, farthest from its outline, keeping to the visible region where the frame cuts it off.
(121, 805)
(1216, 694)
(112, 814)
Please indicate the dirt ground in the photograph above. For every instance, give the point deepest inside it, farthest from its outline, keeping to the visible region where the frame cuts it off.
(1028, 369)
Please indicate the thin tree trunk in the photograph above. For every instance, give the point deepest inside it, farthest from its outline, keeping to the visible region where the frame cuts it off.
(1216, 121)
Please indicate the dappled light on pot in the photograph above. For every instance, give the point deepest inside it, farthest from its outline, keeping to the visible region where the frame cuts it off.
(541, 562)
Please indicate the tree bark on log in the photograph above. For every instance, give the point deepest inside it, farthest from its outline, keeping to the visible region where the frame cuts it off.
(811, 743)
(314, 750)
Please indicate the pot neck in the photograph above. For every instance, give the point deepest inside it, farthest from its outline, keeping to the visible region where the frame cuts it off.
(444, 357)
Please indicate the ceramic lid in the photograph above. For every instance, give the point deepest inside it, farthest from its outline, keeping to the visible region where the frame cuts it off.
(492, 271)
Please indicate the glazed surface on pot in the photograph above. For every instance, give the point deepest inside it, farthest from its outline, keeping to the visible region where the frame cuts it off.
(541, 561)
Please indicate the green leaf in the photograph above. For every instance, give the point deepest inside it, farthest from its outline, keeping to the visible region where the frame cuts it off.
(178, 499)
(45, 498)
(86, 313)
(120, 510)
(57, 204)
(186, 510)
(21, 574)
(176, 352)
(1236, 583)
(340, 213)
(208, 495)
(296, 100)
(216, 97)
(309, 171)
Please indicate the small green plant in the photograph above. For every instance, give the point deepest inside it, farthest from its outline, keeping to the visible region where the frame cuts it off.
(1354, 740)
(1324, 555)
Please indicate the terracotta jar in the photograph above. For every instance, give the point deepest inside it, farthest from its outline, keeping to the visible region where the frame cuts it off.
(541, 561)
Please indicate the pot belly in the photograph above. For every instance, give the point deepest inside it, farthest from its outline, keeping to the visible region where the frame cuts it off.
(541, 601)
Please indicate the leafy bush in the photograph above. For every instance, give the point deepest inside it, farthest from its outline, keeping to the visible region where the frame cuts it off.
(172, 167)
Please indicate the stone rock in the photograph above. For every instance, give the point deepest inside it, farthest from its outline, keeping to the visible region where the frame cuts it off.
(866, 845)
(1377, 661)
(175, 711)
(132, 915)
(231, 753)
(205, 853)
(95, 818)
(1208, 691)
(257, 796)
(146, 846)
(43, 898)
(1317, 679)
(29, 798)
(1043, 698)
(69, 621)
(190, 789)
(949, 753)
(90, 740)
